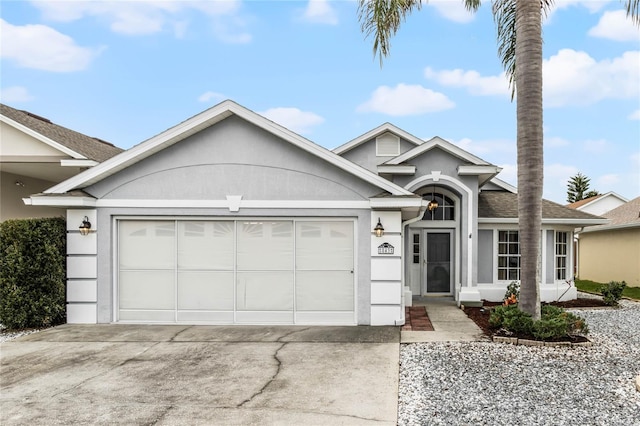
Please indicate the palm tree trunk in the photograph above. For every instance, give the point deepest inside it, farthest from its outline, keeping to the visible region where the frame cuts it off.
(530, 155)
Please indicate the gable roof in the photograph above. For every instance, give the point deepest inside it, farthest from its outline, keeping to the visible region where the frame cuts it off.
(386, 127)
(206, 119)
(437, 142)
(624, 216)
(591, 200)
(72, 143)
(499, 206)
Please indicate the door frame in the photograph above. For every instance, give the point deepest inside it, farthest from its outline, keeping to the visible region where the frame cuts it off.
(423, 261)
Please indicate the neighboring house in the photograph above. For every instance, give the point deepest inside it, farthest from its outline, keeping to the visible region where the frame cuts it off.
(229, 218)
(36, 154)
(611, 252)
(599, 204)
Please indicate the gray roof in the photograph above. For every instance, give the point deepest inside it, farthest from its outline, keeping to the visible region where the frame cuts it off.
(504, 205)
(626, 214)
(92, 148)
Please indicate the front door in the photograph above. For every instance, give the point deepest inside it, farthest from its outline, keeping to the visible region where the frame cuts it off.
(437, 273)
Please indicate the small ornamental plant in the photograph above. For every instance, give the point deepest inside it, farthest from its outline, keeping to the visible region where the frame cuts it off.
(612, 292)
(512, 294)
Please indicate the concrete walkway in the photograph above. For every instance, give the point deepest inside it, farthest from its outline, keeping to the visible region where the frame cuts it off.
(169, 375)
(450, 323)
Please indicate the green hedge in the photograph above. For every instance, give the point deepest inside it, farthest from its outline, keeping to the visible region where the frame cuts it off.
(32, 272)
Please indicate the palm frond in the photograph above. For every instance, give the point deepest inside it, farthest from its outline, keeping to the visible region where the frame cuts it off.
(504, 15)
(381, 20)
(633, 10)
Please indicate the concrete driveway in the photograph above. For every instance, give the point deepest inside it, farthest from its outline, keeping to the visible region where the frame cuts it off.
(170, 375)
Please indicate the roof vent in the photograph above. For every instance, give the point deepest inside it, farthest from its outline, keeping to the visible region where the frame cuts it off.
(37, 117)
(387, 145)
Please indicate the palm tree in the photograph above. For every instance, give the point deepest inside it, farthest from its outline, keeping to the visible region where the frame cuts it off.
(519, 27)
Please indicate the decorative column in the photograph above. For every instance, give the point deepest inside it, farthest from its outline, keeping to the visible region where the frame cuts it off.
(82, 267)
(386, 269)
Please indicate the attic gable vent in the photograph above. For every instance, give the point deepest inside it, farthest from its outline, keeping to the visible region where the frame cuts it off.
(387, 145)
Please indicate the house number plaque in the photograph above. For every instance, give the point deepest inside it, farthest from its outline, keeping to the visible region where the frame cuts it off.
(385, 248)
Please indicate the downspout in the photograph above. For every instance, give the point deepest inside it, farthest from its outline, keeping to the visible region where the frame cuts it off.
(402, 234)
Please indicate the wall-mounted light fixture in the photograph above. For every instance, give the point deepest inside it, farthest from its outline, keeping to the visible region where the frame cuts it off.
(20, 183)
(85, 226)
(379, 230)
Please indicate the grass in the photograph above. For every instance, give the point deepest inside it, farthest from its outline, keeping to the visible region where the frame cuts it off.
(594, 287)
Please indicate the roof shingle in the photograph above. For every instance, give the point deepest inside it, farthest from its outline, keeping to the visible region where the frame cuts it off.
(92, 148)
(504, 205)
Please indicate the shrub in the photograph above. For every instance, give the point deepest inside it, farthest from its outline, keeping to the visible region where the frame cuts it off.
(612, 292)
(32, 272)
(511, 319)
(555, 322)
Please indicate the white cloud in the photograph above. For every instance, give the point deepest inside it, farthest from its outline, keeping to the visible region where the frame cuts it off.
(635, 115)
(607, 181)
(635, 159)
(575, 78)
(490, 146)
(596, 146)
(294, 119)
(43, 48)
(614, 25)
(555, 142)
(211, 96)
(452, 10)
(150, 17)
(320, 12)
(593, 6)
(472, 80)
(509, 174)
(404, 100)
(556, 177)
(15, 94)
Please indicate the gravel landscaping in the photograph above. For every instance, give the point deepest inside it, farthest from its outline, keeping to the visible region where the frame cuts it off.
(484, 383)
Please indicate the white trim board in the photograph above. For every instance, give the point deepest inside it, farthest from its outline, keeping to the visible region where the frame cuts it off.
(42, 138)
(203, 120)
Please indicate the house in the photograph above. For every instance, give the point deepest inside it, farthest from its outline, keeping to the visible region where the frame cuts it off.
(229, 218)
(36, 154)
(599, 204)
(611, 252)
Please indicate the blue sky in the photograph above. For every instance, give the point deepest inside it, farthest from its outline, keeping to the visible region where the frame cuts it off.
(124, 71)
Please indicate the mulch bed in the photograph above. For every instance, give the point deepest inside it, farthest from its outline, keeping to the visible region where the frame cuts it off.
(416, 319)
(481, 316)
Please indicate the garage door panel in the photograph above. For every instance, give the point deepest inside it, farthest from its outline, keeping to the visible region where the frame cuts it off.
(206, 245)
(324, 291)
(147, 245)
(205, 290)
(265, 246)
(208, 317)
(147, 290)
(265, 291)
(148, 316)
(324, 245)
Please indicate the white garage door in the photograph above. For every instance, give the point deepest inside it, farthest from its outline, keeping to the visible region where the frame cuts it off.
(250, 271)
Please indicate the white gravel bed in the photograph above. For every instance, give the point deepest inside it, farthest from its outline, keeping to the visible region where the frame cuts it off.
(484, 383)
(6, 336)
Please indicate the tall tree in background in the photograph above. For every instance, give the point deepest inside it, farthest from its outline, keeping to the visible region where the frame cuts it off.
(519, 28)
(578, 188)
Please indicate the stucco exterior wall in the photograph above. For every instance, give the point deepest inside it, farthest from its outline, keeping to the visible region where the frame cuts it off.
(233, 157)
(11, 195)
(610, 256)
(365, 156)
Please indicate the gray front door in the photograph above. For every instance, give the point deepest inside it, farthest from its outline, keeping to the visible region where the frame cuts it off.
(437, 272)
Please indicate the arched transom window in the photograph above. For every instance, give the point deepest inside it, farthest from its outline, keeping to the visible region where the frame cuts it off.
(440, 207)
